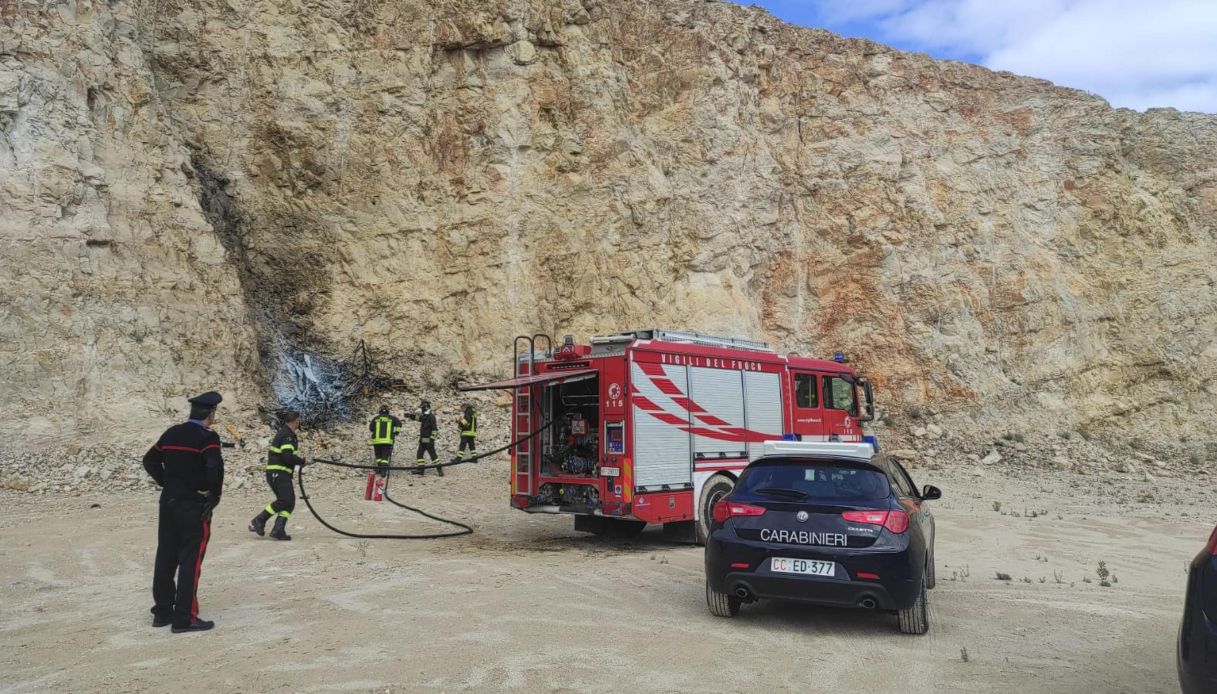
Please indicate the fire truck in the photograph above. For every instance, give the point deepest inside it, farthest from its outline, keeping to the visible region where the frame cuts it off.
(654, 426)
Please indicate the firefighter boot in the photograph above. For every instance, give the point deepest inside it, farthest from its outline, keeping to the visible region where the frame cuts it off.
(279, 532)
(440, 470)
(258, 524)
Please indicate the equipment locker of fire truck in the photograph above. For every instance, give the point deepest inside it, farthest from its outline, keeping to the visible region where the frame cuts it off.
(654, 426)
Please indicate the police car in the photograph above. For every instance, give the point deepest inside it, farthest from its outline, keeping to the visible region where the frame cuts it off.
(1197, 649)
(824, 523)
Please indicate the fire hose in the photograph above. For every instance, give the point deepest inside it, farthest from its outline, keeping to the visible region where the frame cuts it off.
(464, 529)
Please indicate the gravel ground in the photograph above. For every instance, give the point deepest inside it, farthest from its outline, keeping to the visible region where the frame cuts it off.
(527, 604)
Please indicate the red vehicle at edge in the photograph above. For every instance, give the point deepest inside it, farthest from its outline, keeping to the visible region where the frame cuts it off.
(654, 426)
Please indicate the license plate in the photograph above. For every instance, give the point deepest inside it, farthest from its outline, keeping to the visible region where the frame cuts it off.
(807, 567)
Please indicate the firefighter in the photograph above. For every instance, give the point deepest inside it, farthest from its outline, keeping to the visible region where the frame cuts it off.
(469, 432)
(281, 460)
(187, 465)
(428, 429)
(385, 428)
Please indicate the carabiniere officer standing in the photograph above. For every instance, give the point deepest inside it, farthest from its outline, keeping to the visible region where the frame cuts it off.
(186, 463)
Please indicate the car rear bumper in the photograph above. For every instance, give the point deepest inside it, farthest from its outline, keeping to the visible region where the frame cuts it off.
(818, 591)
(896, 588)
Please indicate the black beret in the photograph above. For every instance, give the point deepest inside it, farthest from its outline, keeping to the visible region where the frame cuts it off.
(208, 399)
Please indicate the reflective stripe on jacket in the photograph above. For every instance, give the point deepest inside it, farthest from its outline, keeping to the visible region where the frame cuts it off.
(385, 429)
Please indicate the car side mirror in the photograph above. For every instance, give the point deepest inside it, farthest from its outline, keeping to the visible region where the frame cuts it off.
(929, 492)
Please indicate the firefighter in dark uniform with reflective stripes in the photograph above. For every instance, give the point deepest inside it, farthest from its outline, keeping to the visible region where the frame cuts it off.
(187, 465)
(428, 429)
(469, 433)
(281, 460)
(385, 428)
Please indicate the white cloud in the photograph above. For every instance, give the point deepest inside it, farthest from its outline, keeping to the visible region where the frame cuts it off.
(1134, 53)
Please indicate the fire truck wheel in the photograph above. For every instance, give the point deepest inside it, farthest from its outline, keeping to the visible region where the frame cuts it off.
(714, 490)
(721, 604)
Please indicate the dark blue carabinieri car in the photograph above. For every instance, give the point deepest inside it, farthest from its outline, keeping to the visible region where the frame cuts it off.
(824, 523)
(1198, 633)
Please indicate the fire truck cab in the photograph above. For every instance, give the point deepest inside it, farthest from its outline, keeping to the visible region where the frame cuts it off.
(654, 426)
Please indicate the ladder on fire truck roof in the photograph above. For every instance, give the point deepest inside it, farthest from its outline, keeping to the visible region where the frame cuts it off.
(684, 336)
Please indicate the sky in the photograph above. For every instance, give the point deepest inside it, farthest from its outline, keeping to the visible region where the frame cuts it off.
(1135, 53)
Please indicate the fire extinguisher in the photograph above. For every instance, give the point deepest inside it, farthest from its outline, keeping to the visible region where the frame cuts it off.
(375, 490)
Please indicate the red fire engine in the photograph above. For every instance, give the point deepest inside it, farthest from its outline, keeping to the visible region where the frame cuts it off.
(654, 426)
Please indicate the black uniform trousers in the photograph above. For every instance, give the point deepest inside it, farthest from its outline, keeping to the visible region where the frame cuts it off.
(469, 443)
(285, 494)
(182, 531)
(425, 446)
(383, 452)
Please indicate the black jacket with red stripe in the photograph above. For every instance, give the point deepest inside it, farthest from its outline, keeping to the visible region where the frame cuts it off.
(186, 461)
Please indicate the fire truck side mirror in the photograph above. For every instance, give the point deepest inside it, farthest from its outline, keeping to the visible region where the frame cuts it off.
(868, 410)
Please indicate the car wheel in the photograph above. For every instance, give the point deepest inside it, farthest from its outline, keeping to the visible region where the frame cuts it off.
(721, 604)
(931, 578)
(714, 490)
(916, 619)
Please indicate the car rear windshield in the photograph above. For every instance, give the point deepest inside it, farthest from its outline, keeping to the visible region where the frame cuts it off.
(816, 481)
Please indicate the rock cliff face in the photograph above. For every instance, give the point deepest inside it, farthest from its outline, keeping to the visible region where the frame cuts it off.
(193, 188)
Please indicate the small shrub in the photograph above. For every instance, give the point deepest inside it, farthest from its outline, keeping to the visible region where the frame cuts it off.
(1003, 577)
(996, 505)
(963, 654)
(1066, 435)
(1102, 571)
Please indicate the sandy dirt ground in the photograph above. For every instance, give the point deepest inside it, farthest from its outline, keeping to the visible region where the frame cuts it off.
(528, 604)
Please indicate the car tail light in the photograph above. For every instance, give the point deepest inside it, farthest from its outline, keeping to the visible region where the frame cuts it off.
(868, 517)
(1211, 547)
(730, 509)
(895, 521)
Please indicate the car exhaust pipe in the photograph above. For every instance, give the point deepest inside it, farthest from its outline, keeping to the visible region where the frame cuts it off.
(867, 603)
(743, 593)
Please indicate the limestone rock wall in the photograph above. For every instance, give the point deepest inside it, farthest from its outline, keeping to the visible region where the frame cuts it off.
(117, 299)
(436, 177)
